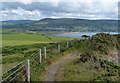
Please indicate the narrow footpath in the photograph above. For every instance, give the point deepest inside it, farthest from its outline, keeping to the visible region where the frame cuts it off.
(52, 70)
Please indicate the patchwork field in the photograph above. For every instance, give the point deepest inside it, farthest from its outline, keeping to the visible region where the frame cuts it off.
(23, 39)
(83, 60)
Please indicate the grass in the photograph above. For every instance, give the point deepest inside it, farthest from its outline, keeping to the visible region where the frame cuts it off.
(7, 66)
(15, 54)
(72, 72)
(25, 39)
(76, 71)
(89, 70)
(36, 68)
(4, 31)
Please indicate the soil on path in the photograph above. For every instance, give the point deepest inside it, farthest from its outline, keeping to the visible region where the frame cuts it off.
(52, 70)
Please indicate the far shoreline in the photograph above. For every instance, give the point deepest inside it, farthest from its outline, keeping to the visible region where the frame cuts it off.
(84, 32)
(70, 32)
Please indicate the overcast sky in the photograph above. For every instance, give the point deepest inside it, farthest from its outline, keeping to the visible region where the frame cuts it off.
(39, 9)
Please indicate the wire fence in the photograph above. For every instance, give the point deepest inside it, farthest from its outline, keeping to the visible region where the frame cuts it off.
(23, 68)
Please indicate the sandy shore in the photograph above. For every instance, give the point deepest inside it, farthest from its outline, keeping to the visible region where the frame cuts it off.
(70, 32)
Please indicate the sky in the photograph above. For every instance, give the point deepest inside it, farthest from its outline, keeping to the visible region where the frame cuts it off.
(39, 9)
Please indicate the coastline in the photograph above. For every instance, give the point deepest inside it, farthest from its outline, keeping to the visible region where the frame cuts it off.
(85, 32)
(70, 32)
(79, 34)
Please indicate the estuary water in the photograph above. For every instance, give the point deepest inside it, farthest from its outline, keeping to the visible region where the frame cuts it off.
(79, 34)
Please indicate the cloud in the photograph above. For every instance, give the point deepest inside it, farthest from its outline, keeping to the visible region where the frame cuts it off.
(90, 9)
(15, 14)
(26, 1)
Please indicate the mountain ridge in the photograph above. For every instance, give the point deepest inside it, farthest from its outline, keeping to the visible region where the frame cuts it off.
(67, 24)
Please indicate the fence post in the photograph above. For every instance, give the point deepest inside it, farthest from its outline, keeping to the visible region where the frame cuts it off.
(67, 44)
(28, 70)
(45, 52)
(40, 56)
(58, 47)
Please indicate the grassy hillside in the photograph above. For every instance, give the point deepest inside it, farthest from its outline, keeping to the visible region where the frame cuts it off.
(12, 55)
(23, 39)
(88, 71)
(98, 60)
(14, 22)
(91, 63)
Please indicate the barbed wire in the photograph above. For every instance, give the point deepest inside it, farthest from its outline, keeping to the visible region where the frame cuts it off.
(17, 64)
(13, 67)
(15, 76)
(33, 54)
(12, 73)
(32, 58)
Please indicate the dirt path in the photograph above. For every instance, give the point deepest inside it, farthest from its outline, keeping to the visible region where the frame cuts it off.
(51, 71)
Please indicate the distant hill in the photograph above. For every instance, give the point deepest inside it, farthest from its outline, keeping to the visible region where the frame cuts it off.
(65, 24)
(13, 22)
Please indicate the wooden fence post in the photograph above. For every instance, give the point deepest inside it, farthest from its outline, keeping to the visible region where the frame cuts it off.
(40, 56)
(45, 52)
(28, 70)
(58, 47)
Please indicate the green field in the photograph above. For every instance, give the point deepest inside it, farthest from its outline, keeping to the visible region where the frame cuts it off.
(23, 44)
(12, 55)
(90, 65)
(24, 38)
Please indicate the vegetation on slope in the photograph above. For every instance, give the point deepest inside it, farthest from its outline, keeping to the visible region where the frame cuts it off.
(93, 64)
(90, 66)
(15, 54)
